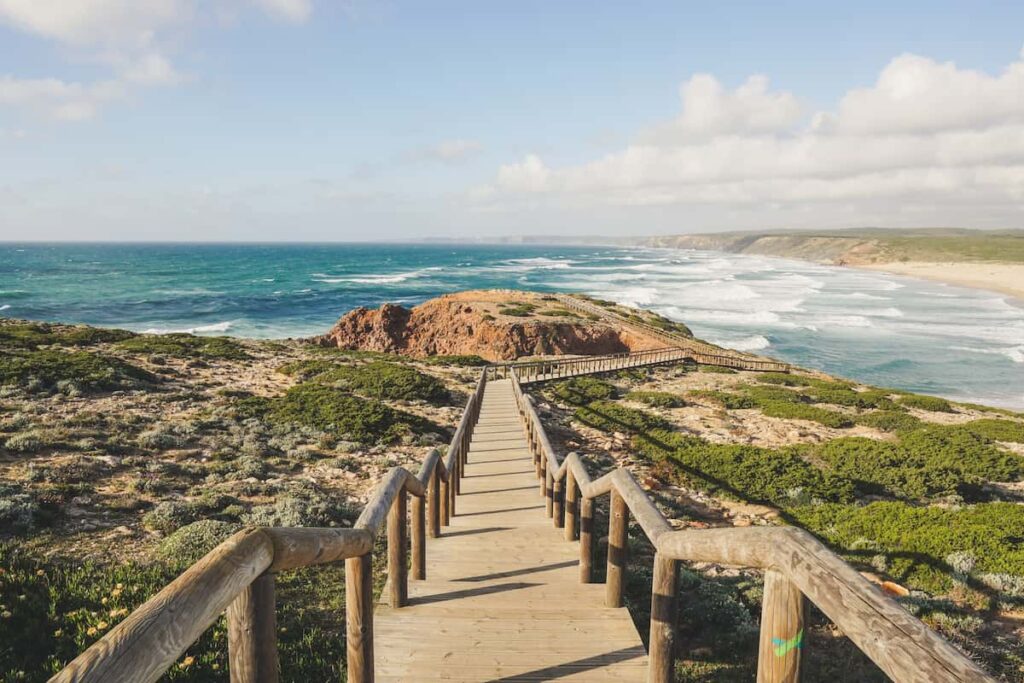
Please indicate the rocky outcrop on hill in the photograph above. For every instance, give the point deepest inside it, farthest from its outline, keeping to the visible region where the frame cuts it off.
(496, 325)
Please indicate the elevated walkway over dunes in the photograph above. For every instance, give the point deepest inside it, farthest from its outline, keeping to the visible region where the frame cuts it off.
(490, 554)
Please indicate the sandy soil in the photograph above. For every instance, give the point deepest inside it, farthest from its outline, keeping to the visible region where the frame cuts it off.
(1006, 278)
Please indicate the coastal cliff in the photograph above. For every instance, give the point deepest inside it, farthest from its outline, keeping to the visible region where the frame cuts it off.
(495, 325)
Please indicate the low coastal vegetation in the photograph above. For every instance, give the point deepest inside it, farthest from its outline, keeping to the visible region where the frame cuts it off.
(912, 489)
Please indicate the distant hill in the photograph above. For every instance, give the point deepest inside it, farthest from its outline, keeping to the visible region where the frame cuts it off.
(863, 246)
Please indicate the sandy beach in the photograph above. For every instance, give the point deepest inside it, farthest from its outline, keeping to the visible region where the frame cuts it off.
(1006, 278)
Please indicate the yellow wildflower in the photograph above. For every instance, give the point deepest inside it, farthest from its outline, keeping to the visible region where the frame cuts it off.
(40, 572)
(103, 601)
(102, 625)
(91, 631)
(187, 662)
(58, 633)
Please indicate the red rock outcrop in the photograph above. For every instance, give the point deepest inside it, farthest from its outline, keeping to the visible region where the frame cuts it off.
(473, 323)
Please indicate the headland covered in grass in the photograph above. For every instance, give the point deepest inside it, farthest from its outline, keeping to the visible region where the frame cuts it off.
(972, 258)
(124, 457)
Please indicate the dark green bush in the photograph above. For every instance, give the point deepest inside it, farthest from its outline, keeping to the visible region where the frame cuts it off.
(845, 396)
(609, 416)
(28, 336)
(932, 403)
(181, 345)
(774, 394)
(656, 399)
(583, 390)
(304, 369)
(889, 421)
(345, 416)
(727, 400)
(716, 369)
(461, 360)
(783, 379)
(50, 369)
(997, 430)
(780, 477)
(918, 540)
(383, 380)
(799, 411)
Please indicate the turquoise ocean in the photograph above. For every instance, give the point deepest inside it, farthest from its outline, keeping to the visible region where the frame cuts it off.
(887, 330)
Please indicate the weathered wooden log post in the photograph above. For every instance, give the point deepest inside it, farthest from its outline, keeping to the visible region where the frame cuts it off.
(587, 540)
(572, 501)
(252, 633)
(558, 508)
(664, 592)
(445, 497)
(618, 526)
(434, 504)
(543, 473)
(359, 618)
(782, 630)
(398, 551)
(418, 525)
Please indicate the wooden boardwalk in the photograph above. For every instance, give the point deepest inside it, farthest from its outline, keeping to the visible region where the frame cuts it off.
(502, 599)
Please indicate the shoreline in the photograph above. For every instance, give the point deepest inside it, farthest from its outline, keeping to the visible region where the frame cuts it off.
(1002, 278)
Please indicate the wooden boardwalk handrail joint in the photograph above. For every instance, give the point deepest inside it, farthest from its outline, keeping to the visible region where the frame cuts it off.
(236, 577)
(797, 566)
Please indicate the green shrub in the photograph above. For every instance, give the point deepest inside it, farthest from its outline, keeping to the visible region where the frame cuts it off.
(345, 416)
(928, 462)
(780, 477)
(656, 399)
(18, 510)
(32, 441)
(845, 396)
(772, 394)
(727, 400)
(889, 421)
(181, 345)
(932, 403)
(169, 516)
(997, 430)
(311, 509)
(609, 416)
(89, 336)
(383, 380)
(29, 336)
(918, 540)
(783, 379)
(583, 390)
(461, 360)
(517, 309)
(715, 369)
(305, 369)
(192, 541)
(799, 411)
(78, 371)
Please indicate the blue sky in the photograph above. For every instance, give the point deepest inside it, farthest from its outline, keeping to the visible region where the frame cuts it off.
(317, 119)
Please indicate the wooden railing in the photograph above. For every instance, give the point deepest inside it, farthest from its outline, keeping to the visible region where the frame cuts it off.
(796, 566)
(238, 577)
(699, 351)
(544, 370)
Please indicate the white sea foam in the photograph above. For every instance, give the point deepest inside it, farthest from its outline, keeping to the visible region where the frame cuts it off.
(5, 307)
(753, 343)
(199, 329)
(1014, 353)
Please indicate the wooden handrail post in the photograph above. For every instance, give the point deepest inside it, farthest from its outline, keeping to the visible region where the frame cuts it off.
(419, 539)
(549, 497)
(558, 509)
(252, 633)
(446, 491)
(398, 549)
(572, 502)
(587, 540)
(359, 618)
(434, 505)
(543, 474)
(664, 592)
(618, 526)
(782, 630)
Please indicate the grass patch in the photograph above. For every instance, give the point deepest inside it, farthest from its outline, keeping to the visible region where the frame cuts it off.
(780, 477)
(799, 411)
(997, 430)
(656, 399)
(522, 309)
(29, 336)
(783, 379)
(73, 372)
(460, 361)
(382, 380)
(925, 546)
(726, 399)
(889, 421)
(344, 416)
(583, 390)
(180, 345)
(932, 403)
(715, 369)
(609, 416)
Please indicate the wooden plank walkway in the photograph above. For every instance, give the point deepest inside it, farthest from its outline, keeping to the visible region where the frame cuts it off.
(502, 599)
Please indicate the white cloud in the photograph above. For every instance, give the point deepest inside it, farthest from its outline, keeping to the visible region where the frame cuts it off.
(130, 37)
(709, 109)
(926, 132)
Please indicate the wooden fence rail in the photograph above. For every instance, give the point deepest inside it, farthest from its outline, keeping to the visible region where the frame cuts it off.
(237, 577)
(796, 565)
(700, 352)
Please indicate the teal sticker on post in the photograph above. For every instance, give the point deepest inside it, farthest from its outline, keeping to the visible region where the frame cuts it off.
(783, 647)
